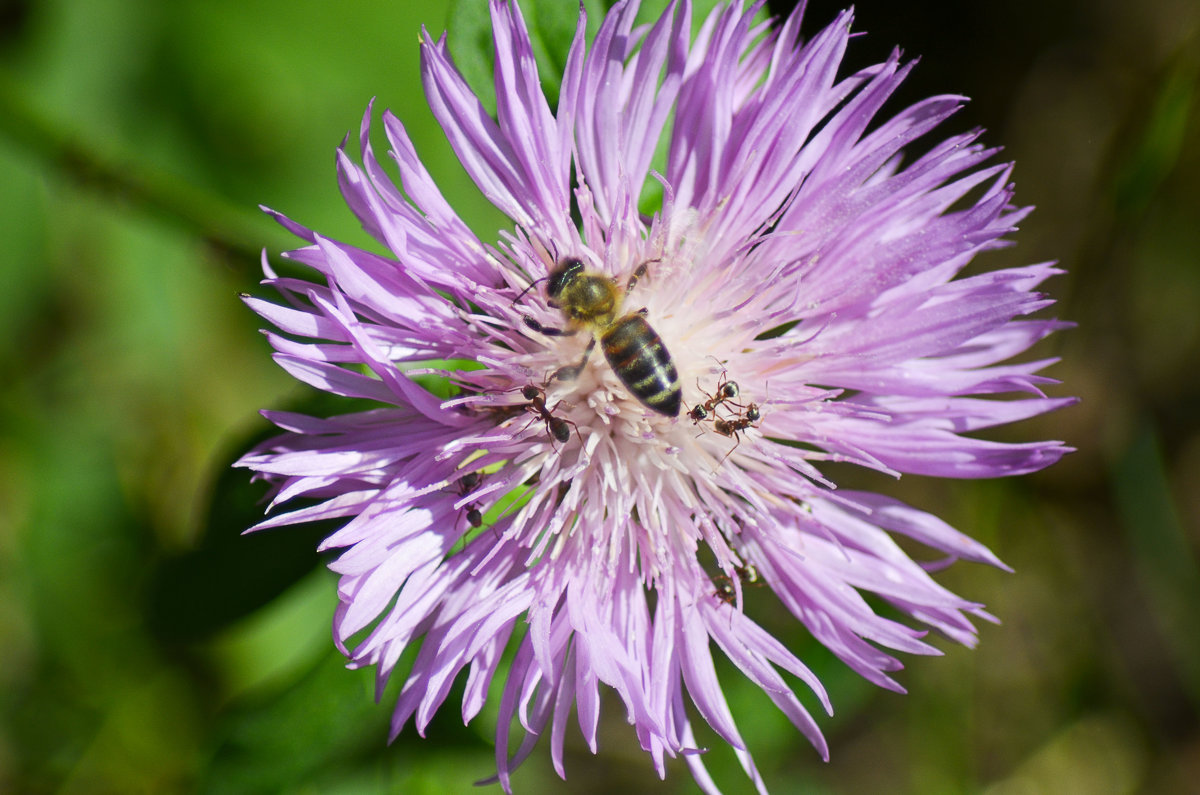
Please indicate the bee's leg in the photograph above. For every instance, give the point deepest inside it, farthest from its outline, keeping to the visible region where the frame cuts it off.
(549, 331)
(637, 274)
(571, 371)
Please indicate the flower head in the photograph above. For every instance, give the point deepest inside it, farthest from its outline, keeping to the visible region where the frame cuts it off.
(721, 273)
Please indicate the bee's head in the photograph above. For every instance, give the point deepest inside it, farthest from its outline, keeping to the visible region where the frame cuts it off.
(561, 276)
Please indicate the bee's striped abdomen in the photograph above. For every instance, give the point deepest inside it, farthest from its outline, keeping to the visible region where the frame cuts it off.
(639, 358)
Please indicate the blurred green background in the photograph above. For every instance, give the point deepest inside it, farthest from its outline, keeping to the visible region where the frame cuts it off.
(145, 646)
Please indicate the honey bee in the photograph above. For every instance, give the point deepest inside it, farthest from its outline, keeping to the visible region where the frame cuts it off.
(636, 353)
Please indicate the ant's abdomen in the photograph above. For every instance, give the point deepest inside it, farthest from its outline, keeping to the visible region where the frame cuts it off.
(639, 358)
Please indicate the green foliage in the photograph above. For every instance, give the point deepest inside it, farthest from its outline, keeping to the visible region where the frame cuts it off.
(552, 26)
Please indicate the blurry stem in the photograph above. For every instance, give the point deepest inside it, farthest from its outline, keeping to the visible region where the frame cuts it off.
(1160, 139)
(1166, 562)
(230, 232)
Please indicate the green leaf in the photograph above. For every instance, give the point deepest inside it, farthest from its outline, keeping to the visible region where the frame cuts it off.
(551, 25)
(229, 575)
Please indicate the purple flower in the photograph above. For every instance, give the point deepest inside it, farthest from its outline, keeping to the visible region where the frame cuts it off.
(799, 287)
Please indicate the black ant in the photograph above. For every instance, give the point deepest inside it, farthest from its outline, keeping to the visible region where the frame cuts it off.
(726, 391)
(748, 575)
(556, 426)
(465, 485)
(741, 423)
(733, 428)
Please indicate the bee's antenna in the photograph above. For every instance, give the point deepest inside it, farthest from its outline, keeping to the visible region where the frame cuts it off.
(530, 287)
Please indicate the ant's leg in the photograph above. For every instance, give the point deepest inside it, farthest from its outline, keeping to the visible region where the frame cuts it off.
(549, 331)
(571, 371)
(535, 416)
(737, 441)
